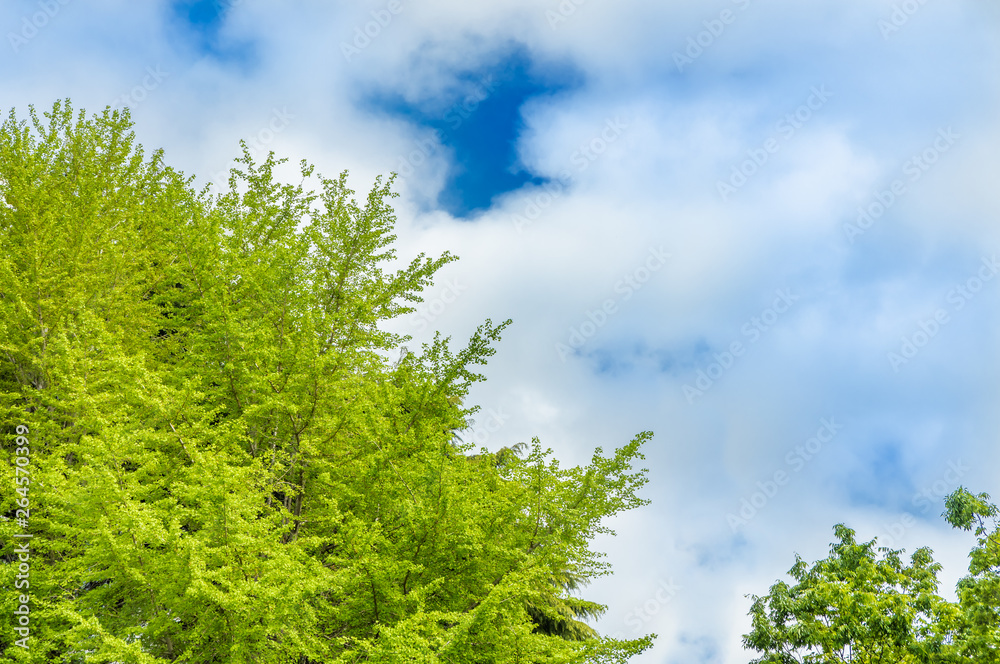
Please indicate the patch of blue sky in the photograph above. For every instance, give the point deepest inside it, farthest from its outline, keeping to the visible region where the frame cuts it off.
(627, 356)
(478, 122)
(199, 24)
(878, 477)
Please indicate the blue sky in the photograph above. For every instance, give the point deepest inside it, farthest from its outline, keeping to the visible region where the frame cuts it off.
(727, 222)
(477, 120)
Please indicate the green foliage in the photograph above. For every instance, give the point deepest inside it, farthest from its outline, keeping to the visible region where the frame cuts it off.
(862, 604)
(977, 631)
(963, 510)
(857, 605)
(225, 466)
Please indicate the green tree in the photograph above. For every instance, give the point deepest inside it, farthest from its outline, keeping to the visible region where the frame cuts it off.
(976, 630)
(860, 605)
(227, 465)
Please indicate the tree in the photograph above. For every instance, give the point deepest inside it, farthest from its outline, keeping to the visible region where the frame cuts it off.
(226, 464)
(976, 631)
(860, 604)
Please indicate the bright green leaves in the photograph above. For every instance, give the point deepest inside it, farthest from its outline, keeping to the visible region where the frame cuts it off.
(963, 509)
(863, 604)
(348, 244)
(857, 605)
(228, 467)
(977, 625)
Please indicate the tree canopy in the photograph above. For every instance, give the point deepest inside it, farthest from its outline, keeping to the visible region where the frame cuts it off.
(862, 604)
(228, 459)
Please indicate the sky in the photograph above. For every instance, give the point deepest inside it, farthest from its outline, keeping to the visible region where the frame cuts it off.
(765, 231)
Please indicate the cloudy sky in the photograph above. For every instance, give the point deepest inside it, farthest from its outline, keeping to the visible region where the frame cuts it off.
(766, 231)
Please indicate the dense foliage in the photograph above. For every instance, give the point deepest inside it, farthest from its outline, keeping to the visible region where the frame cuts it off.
(230, 461)
(863, 604)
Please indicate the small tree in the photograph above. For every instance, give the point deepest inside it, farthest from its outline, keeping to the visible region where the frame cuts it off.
(976, 631)
(860, 604)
